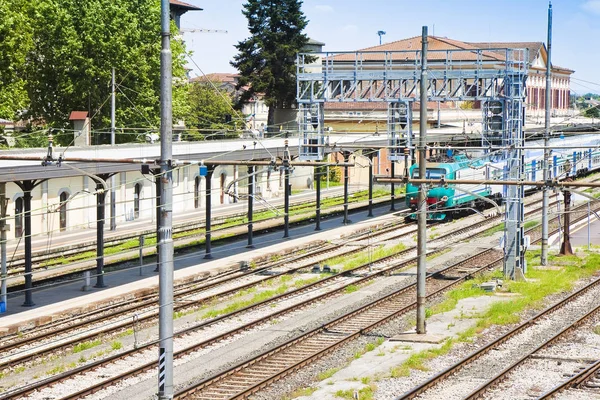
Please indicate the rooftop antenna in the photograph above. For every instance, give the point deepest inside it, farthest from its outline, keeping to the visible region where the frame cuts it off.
(380, 33)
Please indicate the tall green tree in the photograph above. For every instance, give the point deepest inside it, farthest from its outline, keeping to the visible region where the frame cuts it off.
(267, 59)
(15, 42)
(75, 46)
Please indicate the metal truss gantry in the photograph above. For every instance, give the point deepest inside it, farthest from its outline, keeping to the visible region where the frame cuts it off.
(496, 77)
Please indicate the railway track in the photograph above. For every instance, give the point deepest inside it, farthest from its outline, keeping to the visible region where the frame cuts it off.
(380, 271)
(120, 317)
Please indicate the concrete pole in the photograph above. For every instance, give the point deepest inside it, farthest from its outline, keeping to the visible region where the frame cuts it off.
(286, 202)
(422, 213)
(250, 204)
(565, 248)
(158, 188)
(3, 228)
(164, 236)
(113, 200)
(318, 200)
(545, 194)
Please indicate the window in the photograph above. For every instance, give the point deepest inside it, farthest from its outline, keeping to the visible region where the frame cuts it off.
(431, 173)
(197, 192)
(19, 217)
(137, 194)
(64, 196)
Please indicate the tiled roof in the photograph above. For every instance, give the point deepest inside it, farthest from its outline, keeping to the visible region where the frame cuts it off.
(182, 5)
(217, 77)
(373, 106)
(414, 44)
(534, 47)
(78, 115)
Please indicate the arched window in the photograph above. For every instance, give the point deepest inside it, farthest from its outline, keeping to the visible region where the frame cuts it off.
(64, 196)
(19, 217)
(136, 200)
(197, 192)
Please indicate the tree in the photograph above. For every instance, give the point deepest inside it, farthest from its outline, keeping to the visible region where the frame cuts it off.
(592, 112)
(75, 46)
(15, 42)
(267, 59)
(209, 108)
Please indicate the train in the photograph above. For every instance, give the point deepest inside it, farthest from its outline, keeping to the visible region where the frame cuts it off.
(580, 156)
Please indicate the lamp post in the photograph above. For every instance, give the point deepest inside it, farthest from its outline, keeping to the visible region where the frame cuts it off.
(380, 33)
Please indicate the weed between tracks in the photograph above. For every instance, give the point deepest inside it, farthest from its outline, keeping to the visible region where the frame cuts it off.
(532, 293)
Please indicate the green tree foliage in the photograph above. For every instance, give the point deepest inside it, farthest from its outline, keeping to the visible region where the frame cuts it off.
(592, 112)
(267, 59)
(15, 42)
(57, 56)
(208, 108)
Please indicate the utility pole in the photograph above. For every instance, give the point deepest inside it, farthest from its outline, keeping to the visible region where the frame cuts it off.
(422, 212)
(113, 200)
(545, 194)
(164, 234)
(3, 228)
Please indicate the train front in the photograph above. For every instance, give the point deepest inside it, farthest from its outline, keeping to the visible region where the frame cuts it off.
(438, 198)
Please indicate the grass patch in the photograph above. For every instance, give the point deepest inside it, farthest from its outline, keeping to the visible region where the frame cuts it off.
(301, 392)
(350, 289)
(238, 305)
(116, 345)
(494, 229)
(56, 370)
(86, 345)
(365, 393)
(327, 374)
(355, 260)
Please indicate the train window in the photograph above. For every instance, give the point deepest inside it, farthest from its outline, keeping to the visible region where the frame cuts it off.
(431, 173)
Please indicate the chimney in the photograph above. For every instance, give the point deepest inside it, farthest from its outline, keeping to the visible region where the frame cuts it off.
(81, 125)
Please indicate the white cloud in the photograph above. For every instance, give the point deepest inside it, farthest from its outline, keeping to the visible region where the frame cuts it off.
(592, 6)
(324, 8)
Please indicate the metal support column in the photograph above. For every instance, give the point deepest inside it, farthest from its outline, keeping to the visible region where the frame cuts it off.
(565, 247)
(208, 233)
(370, 214)
(286, 202)
(27, 188)
(165, 237)
(318, 200)
(545, 194)
(346, 180)
(113, 200)
(100, 206)
(158, 188)
(250, 204)
(422, 213)
(392, 187)
(3, 228)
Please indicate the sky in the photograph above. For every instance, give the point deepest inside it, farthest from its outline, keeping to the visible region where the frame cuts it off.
(348, 25)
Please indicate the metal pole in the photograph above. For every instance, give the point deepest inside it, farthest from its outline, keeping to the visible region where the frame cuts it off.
(3, 228)
(113, 199)
(286, 203)
(393, 188)
(565, 248)
(370, 214)
(141, 240)
(28, 186)
(545, 194)
(208, 233)
(346, 180)
(250, 204)
(589, 212)
(318, 200)
(100, 200)
(422, 214)
(158, 188)
(165, 239)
